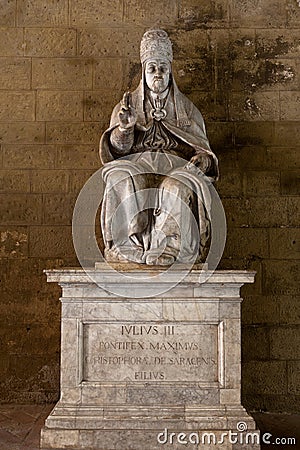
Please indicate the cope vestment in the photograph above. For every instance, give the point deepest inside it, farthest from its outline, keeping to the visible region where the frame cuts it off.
(146, 224)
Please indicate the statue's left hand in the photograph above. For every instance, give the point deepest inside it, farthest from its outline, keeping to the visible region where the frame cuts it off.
(201, 161)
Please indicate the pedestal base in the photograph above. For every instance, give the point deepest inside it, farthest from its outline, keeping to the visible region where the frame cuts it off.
(149, 428)
(150, 373)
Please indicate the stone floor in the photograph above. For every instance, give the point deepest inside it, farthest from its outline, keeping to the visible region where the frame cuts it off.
(20, 427)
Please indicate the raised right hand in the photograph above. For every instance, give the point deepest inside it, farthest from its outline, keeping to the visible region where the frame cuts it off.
(127, 113)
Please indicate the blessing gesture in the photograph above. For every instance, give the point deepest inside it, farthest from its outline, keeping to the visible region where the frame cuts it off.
(127, 113)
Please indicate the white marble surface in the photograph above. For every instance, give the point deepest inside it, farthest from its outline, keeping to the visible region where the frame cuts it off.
(132, 366)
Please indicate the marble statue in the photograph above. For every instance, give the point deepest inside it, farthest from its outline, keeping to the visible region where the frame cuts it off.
(155, 153)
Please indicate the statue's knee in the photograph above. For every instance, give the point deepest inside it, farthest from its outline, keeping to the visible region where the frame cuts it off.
(170, 184)
(176, 187)
(124, 179)
(117, 177)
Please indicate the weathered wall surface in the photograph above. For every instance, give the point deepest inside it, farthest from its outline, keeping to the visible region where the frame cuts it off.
(63, 65)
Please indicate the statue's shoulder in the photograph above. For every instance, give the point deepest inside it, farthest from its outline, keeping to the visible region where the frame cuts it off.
(136, 95)
(185, 100)
(190, 108)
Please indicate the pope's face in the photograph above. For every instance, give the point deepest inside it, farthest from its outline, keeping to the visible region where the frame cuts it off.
(157, 74)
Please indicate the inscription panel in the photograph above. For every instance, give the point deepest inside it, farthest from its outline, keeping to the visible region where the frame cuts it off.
(150, 352)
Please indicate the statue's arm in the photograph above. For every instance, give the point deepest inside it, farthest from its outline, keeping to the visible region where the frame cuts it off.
(198, 124)
(122, 140)
(206, 160)
(122, 136)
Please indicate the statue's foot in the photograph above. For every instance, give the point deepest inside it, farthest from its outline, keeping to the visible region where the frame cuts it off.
(160, 260)
(123, 254)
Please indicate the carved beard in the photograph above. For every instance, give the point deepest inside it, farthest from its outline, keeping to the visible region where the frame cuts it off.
(159, 85)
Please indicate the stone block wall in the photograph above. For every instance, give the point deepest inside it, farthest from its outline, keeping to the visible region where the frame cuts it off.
(63, 66)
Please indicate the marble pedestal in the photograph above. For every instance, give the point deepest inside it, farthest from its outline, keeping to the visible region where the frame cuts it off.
(150, 373)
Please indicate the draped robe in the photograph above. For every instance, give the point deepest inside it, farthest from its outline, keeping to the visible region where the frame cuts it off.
(148, 193)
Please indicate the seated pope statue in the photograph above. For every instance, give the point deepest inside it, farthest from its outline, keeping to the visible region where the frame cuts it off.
(157, 168)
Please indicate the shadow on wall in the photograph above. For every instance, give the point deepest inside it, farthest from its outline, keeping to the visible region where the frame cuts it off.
(63, 67)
